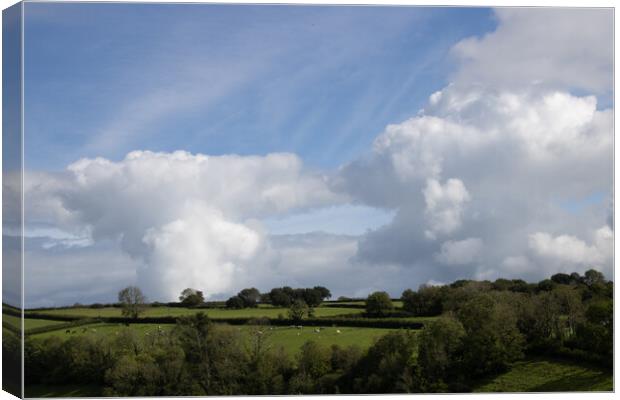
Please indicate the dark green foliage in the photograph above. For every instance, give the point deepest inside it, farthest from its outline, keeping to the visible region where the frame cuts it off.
(285, 296)
(250, 297)
(235, 302)
(132, 301)
(379, 304)
(545, 285)
(387, 367)
(191, 297)
(299, 309)
(427, 301)
(279, 298)
(492, 339)
(484, 329)
(562, 279)
(440, 354)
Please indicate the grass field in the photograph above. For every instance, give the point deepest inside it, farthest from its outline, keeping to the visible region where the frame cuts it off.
(269, 312)
(543, 375)
(38, 391)
(28, 323)
(290, 338)
(103, 329)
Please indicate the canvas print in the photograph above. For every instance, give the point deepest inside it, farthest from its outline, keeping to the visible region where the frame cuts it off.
(232, 199)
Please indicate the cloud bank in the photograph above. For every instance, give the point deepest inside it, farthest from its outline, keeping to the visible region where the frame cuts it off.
(475, 183)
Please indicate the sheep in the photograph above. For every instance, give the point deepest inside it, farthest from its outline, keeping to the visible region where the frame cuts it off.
(317, 330)
(337, 330)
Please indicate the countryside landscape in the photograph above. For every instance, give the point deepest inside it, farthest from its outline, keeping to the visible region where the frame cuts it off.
(205, 199)
(468, 336)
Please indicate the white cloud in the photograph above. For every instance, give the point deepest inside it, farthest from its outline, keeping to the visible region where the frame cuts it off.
(444, 206)
(520, 153)
(460, 252)
(189, 219)
(571, 251)
(548, 47)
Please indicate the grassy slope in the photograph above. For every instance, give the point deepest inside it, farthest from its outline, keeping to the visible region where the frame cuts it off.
(270, 312)
(290, 338)
(38, 391)
(544, 375)
(29, 323)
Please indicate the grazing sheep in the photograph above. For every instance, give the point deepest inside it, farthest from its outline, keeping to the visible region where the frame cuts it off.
(317, 330)
(337, 330)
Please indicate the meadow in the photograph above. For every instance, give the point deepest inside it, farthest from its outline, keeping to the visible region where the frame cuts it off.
(214, 313)
(289, 338)
(549, 375)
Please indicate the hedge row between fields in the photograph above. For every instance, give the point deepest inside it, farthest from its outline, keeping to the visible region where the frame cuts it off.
(390, 323)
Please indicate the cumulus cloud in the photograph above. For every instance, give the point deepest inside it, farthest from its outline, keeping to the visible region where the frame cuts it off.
(444, 206)
(550, 47)
(460, 252)
(570, 250)
(474, 183)
(190, 219)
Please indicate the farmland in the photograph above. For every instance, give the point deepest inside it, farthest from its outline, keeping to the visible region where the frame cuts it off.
(215, 313)
(549, 375)
(503, 336)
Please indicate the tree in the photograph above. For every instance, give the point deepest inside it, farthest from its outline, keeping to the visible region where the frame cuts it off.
(325, 293)
(298, 310)
(235, 302)
(132, 301)
(379, 304)
(440, 352)
(191, 297)
(279, 297)
(250, 297)
(427, 301)
(312, 297)
(561, 279)
(592, 277)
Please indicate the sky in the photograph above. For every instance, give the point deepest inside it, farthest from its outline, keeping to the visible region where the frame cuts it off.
(359, 148)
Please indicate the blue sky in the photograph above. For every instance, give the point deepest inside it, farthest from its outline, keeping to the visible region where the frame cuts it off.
(322, 82)
(361, 148)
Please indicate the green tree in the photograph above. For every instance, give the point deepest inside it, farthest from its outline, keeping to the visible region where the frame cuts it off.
(250, 297)
(440, 354)
(379, 304)
(191, 297)
(132, 301)
(298, 310)
(279, 297)
(235, 302)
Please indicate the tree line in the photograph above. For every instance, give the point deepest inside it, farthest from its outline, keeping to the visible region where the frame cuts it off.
(481, 328)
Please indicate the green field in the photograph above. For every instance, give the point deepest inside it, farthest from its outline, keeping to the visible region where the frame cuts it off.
(291, 339)
(38, 391)
(543, 375)
(269, 312)
(29, 323)
(103, 329)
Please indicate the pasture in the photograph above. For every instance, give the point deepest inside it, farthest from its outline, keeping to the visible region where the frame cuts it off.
(548, 375)
(28, 322)
(214, 313)
(291, 339)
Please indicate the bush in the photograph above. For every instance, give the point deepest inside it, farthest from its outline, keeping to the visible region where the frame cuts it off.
(379, 304)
